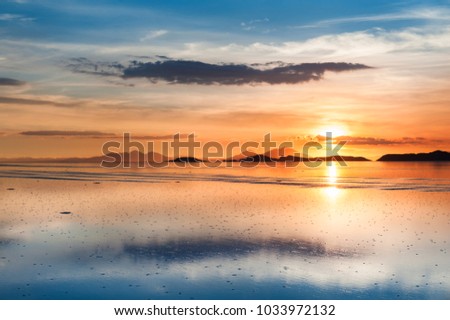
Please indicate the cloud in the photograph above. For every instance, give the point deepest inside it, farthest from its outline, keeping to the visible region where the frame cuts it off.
(405, 47)
(432, 14)
(10, 82)
(22, 101)
(381, 141)
(84, 65)
(153, 35)
(14, 17)
(61, 133)
(162, 137)
(196, 72)
(252, 24)
(97, 134)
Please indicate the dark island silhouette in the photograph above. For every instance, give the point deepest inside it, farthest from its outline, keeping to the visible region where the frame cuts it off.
(187, 160)
(437, 155)
(287, 155)
(292, 158)
(137, 158)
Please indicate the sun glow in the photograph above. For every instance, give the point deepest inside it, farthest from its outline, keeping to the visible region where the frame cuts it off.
(336, 131)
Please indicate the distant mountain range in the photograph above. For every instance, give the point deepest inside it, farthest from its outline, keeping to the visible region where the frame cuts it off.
(272, 154)
(275, 155)
(287, 155)
(186, 160)
(264, 158)
(437, 155)
(112, 158)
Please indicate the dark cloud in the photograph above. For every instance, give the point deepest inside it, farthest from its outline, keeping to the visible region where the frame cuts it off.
(10, 82)
(9, 100)
(84, 65)
(61, 133)
(380, 141)
(196, 72)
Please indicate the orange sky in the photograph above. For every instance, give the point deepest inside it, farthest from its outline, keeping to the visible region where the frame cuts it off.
(400, 104)
(362, 105)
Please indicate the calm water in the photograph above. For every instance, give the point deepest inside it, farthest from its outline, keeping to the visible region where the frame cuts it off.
(366, 231)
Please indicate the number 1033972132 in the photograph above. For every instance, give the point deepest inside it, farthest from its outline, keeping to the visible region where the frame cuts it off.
(296, 309)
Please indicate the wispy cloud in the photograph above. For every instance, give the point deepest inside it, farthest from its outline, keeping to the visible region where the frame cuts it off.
(158, 137)
(432, 14)
(84, 65)
(374, 43)
(97, 134)
(26, 101)
(10, 82)
(153, 35)
(14, 17)
(62, 133)
(196, 72)
(253, 24)
(373, 141)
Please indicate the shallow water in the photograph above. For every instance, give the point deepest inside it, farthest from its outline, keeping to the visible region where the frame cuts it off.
(366, 231)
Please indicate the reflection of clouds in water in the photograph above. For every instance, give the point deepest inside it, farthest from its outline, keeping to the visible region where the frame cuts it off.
(264, 266)
(209, 264)
(193, 249)
(291, 261)
(4, 242)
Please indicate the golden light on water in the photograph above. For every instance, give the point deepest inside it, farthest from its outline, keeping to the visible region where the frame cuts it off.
(332, 173)
(332, 191)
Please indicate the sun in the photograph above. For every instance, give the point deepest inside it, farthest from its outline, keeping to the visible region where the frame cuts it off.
(336, 131)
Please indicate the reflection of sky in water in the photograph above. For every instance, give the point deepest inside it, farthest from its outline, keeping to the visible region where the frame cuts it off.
(169, 240)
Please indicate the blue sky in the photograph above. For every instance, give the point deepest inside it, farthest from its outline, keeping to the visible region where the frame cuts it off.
(68, 65)
(193, 20)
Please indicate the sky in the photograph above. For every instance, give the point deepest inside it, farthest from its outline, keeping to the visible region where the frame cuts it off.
(74, 74)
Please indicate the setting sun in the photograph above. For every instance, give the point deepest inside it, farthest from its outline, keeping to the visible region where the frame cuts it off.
(336, 131)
